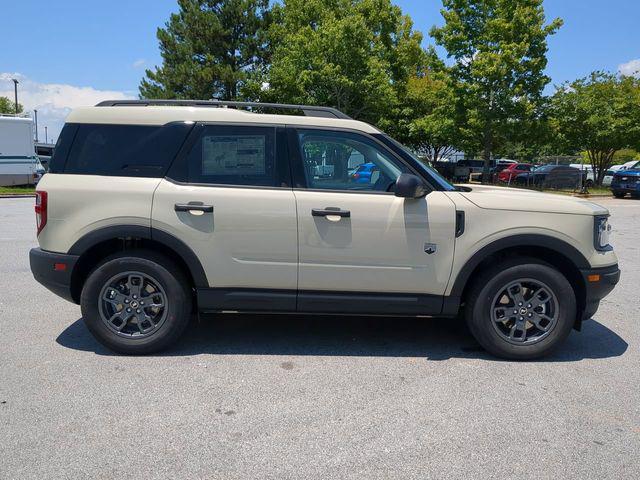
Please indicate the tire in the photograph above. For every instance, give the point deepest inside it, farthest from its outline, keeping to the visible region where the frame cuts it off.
(619, 194)
(492, 327)
(110, 291)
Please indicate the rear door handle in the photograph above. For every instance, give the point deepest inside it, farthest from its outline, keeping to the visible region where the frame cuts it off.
(325, 212)
(199, 207)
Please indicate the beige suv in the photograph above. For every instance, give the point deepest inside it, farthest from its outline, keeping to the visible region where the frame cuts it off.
(154, 209)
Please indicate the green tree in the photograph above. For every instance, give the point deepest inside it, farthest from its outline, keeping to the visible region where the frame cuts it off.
(599, 114)
(499, 49)
(208, 49)
(9, 106)
(428, 120)
(355, 55)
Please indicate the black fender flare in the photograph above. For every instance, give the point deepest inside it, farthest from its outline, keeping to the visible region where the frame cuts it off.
(100, 235)
(522, 240)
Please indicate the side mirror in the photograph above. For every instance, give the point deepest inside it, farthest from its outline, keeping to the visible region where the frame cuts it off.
(409, 186)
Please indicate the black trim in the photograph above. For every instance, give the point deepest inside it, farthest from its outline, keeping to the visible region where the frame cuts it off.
(137, 231)
(346, 303)
(246, 299)
(369, 303)
(526, 240)
(307, 110)
(42, 267)
(596, 291)
(459, 222)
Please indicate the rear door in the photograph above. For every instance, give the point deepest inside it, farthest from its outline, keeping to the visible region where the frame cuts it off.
(228, 197)
(358, 241)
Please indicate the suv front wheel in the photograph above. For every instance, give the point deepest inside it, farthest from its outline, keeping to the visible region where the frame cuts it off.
(521, 309)
(136, 302)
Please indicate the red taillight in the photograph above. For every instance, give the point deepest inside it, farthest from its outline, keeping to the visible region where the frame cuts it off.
(356, 176)
(41, 210)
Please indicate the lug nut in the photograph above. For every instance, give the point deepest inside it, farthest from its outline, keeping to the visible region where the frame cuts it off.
(141, 302)
(138, 311)
(135, 296)
(126, 300)
(529, 306)
(128, 310)
(521, 318)
(515, 311)
(519, 304)
(530, 315)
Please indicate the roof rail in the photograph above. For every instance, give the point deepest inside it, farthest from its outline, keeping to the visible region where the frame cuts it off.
(307, 110)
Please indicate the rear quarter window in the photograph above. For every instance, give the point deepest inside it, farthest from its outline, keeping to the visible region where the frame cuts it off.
(121, 150)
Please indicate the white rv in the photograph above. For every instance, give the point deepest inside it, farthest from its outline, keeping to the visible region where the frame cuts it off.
(19, 164)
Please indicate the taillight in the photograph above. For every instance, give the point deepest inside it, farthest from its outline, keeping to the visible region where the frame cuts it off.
(41, 210)
(356, 176)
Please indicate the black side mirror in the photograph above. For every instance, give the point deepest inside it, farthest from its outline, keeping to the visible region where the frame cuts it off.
(409, 186)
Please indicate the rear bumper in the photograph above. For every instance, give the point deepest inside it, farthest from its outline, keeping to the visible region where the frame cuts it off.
(53, 270)
(598, 284)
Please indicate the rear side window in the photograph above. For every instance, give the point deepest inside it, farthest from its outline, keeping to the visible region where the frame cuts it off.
(233, 155)
(124, 150)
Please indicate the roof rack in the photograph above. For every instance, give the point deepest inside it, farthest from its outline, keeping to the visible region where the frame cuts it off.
(307, 110)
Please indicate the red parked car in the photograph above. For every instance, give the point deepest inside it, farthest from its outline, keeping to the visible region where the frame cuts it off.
(509, 173)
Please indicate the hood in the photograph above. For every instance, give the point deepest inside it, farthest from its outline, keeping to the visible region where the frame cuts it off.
(516, 199)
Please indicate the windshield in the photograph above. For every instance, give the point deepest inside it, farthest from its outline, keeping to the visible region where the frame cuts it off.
(429, 172)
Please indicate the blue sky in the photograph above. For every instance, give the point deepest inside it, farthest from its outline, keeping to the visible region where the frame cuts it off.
(73, 52)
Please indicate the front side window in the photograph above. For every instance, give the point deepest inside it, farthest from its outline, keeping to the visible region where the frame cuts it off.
(346, 161)
(233, 155)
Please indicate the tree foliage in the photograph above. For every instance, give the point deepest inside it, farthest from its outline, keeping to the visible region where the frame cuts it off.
(499, 48)
(599, 114)
(208, 49)
(355, 55)
(9, 106)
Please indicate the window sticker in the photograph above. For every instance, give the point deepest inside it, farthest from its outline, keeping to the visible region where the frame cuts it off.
(233, 155)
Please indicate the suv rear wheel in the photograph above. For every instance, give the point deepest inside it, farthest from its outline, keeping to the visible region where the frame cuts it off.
(521, 309)
(136, 302)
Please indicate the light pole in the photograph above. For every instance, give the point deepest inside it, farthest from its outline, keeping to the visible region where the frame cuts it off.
(35, 112)
(46, 139)
(15, 91)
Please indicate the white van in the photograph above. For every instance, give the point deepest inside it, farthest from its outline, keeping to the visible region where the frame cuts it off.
(19, 164)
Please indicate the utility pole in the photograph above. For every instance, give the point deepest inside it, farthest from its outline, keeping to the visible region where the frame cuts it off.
(35, 112)
(15, 91)
(46, 138)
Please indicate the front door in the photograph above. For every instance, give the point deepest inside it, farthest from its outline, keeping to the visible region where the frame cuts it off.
(230, 201)
(360, 243)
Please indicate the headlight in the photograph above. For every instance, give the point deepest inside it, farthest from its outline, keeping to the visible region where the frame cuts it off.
(602, 231)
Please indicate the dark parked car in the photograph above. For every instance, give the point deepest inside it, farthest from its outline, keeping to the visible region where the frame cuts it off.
(551, 176)
(626, 181)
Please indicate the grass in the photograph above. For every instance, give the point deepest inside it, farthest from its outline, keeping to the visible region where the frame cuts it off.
(17, 190)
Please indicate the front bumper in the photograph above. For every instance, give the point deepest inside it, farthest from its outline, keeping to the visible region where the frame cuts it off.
(53, 270)
(598, 284)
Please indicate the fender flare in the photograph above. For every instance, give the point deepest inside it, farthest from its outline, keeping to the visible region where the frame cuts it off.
(100, 235)
(524, 240)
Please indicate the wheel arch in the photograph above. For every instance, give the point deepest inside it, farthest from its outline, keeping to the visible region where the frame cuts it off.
(98, 244)
(565, 257)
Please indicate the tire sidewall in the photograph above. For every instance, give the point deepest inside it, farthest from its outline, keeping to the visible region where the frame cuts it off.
(479, 313)
(177, 302)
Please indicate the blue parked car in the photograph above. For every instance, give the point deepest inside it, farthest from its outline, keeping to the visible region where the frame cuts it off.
(627, 181)
(364, 172)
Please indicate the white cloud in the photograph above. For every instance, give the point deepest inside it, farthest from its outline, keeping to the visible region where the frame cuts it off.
(53, 101)
(630, 69)
(139, 63)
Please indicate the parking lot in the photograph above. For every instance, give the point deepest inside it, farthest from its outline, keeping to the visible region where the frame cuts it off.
(282, 397)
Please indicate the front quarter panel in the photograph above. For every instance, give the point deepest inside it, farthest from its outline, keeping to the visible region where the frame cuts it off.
(486, 226)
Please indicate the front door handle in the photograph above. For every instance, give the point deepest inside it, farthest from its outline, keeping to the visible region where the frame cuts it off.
(187, 207)
(330, 211)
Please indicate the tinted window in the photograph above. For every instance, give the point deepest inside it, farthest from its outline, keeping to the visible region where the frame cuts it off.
(63, 145)
(124, 150)
(346, 161)
(235, 155)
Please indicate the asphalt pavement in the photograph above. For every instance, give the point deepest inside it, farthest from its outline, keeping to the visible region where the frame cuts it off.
(288, 397)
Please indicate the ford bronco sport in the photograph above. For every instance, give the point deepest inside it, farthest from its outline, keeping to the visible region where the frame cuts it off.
(152, 210)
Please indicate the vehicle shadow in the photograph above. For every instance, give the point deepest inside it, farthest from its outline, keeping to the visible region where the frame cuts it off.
(431, 339)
